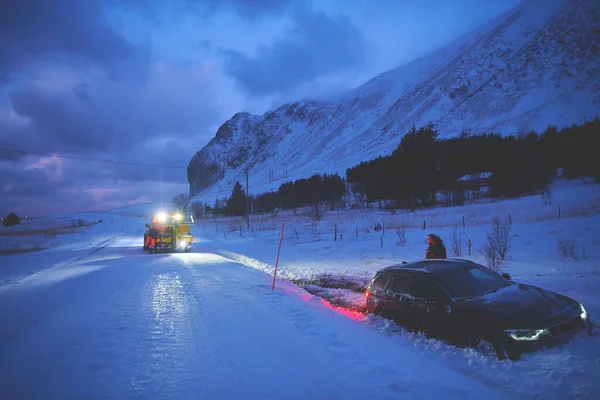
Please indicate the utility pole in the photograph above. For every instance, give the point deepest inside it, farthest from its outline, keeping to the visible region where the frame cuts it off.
(247, 201)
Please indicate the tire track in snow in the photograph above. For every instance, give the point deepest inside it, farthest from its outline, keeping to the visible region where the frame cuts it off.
(142, 342)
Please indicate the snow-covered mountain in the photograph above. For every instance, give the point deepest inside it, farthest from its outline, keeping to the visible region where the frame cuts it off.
(538, 64)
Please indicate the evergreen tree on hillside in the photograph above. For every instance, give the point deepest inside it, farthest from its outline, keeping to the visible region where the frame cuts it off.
(266, 202)
(237, 203)
(287, 196)
(578, 149)
(417, 155)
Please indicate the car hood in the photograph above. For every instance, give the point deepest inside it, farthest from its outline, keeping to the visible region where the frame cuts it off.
(523, 307)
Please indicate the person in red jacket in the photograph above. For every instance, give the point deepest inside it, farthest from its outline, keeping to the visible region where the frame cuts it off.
(436, 247)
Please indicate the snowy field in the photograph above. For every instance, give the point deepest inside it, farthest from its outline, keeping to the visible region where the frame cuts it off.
(141, 326)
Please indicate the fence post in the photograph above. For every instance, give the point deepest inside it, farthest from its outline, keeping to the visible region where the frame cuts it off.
(510, 219)
(424, 224)
(382, 241)
(277, 260)
(335, 232)
(463, 221)
(469, 243)
(341, 236)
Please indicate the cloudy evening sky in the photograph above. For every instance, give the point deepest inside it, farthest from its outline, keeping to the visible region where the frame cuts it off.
(150, 82)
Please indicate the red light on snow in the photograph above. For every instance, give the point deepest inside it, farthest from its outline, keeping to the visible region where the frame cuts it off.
(355, 315)
(367, 293)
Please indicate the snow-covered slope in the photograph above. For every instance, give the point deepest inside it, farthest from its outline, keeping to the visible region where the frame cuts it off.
(531, 67)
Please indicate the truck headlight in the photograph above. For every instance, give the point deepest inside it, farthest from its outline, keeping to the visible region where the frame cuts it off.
(526, 334)
(583, 313)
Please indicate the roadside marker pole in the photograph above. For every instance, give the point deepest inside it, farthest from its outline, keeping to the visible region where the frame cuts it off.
(278, 251)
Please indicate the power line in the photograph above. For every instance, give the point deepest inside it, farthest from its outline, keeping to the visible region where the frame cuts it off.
(210, 195)
(91, 159)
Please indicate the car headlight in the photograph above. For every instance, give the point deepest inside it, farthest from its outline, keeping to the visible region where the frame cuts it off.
(161, 217)
(526, 334)
(583, 312)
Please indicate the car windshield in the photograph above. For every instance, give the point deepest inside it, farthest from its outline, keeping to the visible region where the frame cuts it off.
(473, 281)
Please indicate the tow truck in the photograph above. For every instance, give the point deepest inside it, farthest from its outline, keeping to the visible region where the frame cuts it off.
(167, 232)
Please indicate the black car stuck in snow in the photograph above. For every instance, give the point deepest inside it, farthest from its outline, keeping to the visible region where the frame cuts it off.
(469, 305)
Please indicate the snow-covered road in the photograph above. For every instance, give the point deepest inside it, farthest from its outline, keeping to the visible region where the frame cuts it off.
(120, 324)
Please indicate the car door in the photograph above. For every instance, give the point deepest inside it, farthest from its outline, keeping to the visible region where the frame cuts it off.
(399, 299)
(377, 293)
(430, 310)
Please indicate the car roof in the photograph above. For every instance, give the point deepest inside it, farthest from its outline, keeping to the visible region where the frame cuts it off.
(431, 266)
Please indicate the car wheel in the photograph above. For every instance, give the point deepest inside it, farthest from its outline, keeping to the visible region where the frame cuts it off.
(487, 349)
(493, 350)
(384, 314)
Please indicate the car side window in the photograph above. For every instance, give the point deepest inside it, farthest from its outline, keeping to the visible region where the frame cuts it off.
(425, 288)
(381, 281)
(399, 284)
(480, 274)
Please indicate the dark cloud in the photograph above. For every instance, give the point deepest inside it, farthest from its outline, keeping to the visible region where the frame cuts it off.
(253, 9)
(74, 112)
(249, 10)
(317, 46)
(50, 185)
(35, 29)
(26, 182)
(170, 153)
(81, 93)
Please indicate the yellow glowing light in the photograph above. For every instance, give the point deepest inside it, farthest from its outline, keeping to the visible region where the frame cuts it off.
(161, 217)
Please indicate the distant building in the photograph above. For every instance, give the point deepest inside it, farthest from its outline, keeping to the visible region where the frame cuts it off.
(474, 182)
(474, 186)
(11, 219)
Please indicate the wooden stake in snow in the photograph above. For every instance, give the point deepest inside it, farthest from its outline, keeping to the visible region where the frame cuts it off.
(469, 246)
(278, 251)
(463, 221)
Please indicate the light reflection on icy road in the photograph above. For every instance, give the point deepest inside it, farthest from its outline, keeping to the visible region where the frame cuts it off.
(197, 326)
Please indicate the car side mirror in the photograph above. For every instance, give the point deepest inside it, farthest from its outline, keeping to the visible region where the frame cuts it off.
(506, 276)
